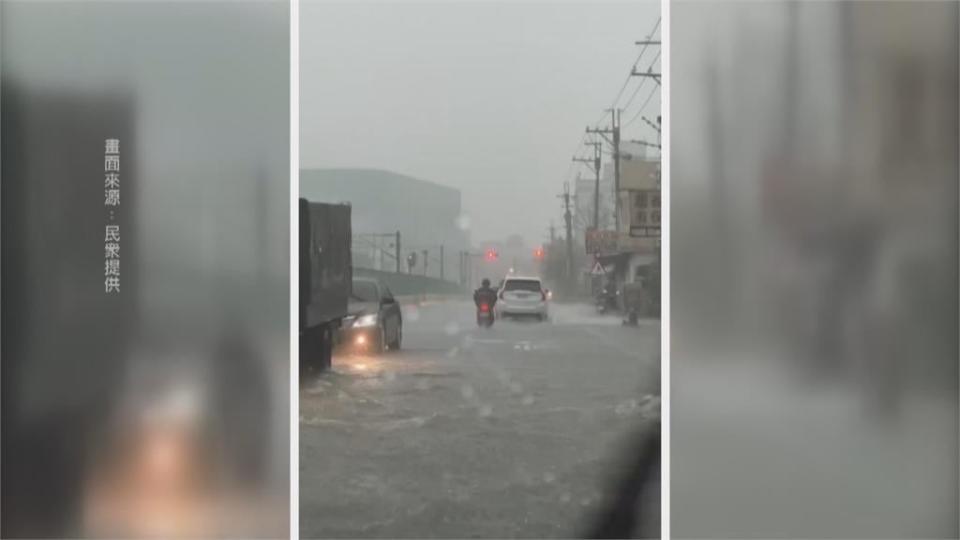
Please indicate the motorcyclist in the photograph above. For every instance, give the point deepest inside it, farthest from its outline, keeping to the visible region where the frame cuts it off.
(485, 295)
(607, 296)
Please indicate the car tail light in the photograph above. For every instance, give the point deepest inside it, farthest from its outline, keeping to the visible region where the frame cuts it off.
(484, 308)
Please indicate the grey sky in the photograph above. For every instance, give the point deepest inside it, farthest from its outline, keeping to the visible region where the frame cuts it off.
(487, 97)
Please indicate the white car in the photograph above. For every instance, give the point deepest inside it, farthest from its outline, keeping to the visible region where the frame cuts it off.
(522, 296)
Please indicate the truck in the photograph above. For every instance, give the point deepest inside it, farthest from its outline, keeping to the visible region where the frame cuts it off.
(326, 278)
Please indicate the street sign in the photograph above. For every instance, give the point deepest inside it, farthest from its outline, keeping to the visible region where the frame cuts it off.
(600, 241)
(598, 269)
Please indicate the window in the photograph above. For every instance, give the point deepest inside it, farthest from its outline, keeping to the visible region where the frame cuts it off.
(365, 291)
(532, 285)
(385, 294)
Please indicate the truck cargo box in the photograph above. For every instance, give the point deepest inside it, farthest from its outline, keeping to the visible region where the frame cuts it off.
(326, 271)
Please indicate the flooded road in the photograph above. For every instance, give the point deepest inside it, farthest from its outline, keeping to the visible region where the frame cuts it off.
(511, 431)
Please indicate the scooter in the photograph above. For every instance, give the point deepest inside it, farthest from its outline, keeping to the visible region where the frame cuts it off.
(484, 315)
(606, 301)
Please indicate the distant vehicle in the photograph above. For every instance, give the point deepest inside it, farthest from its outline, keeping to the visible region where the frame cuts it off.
(607, 299)
(326, 271)
(374, 323)
(522, 296)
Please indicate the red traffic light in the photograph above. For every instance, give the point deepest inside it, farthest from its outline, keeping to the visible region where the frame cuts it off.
(490, 255)
(538, 253)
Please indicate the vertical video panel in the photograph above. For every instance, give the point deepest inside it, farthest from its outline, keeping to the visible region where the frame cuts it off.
(814, 269)
(479, 309)
(145, 234)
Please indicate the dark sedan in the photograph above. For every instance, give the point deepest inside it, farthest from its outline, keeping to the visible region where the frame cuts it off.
(374, 323)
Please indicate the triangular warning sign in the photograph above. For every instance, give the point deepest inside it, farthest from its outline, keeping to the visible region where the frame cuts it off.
(597, 269)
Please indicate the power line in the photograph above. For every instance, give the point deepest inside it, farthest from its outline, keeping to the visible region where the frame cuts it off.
(633, 66)
(639, 86)
(629, 76)
(597, 132)
(642, 107)
(570, 168)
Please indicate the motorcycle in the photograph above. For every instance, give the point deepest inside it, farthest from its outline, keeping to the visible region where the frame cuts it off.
(484, 315)
(606, 301)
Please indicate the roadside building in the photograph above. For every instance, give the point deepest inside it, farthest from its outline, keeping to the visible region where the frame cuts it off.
(427, 215)
(629, 257)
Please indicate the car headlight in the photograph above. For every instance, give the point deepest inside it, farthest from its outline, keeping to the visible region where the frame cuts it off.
(365, 321)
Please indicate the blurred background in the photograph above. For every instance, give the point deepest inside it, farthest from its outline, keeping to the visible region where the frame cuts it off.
(814, 274)
(162, 409)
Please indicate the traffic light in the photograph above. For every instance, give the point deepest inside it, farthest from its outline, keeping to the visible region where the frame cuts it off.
(538, 253)
(490, 255)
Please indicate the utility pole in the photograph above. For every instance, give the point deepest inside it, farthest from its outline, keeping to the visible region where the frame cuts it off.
(614, 132)
(567, 217)
(616, 167)
(594, 165)
(553, 233)
(597, 155)
(425, 253)
(648, 73)
(441, 261)
(469, 261)
(397, 247)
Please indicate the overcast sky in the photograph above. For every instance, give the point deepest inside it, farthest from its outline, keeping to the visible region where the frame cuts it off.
(487, 97)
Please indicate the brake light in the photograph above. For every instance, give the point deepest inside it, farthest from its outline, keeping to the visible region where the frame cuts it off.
(484, 307)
